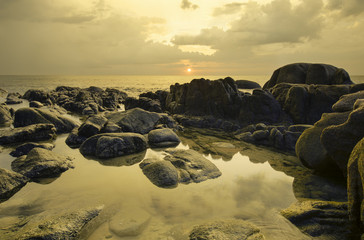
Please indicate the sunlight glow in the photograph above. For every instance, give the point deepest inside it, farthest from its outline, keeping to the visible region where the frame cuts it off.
(189, 70)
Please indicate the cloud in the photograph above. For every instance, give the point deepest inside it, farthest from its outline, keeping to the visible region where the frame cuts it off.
(185, 4)
(227, 9)
(347, 7)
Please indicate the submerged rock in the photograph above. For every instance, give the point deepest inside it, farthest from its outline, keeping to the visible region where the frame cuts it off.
(325, 219)
(163, 138)
(161, 173)
(28, 116)
(41, 163)
(109, 145)
(52, 224)
(308, 73)
(35, 132)
(10, 183)
(231, 229)
(25, 148)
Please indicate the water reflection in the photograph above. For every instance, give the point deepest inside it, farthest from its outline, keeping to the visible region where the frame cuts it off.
(127, 160)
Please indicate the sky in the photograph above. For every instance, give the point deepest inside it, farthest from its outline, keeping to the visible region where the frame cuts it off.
(166, 37)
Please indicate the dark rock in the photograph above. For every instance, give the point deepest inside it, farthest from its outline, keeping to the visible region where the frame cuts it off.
(148, 104)
(135, 120)
(346, 102)
(35, 132)
(158, 95)
(25, 148)
(246, 84)
(328, 220)
(92, 126)
(111, 127)
(163, 138)
(28, 116)
(355, 187)
(290, 139)
(53, 224)
(41, 163)
(307, 73)
(109, 145)
(232, 229)
(35, 104)
(37, 95)
(299, 127)
(13, 98)
(10, 183)
(74, 140)
(161, 173)
(5, 115)
(206, 122)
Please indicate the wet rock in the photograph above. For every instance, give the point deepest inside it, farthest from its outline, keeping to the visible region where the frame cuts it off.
(339, 140)
(127, 160)
(74, 140)
(355, 187)
(206, 122)
(163, 138)
(5, 115)
(13, 98)
(159, 95)
(346, 102)
(246, 84)
(309, 148)
(52, 224)
(109, 145)
(111, 127)
(35, 104)
(161, 173)
(41, 163)
(35, 132)
(320, 218)
(135, 120)
(148, 104)
(37, 95)
(307, 73)
(10, 183)
(25, 148)
(92, 126)
(28, 116)
(130, 222)
(231, 229)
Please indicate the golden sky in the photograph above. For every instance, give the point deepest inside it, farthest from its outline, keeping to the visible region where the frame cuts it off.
(162, 37)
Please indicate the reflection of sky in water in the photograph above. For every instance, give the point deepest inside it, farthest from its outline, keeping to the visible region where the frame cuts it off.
(245, 190)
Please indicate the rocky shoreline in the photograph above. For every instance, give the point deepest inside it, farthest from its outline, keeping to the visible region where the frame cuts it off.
(309, 116)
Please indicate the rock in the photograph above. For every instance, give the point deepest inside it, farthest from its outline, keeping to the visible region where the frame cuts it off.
(13, 98)
(111, 127)
(41, 163)
(306, 103)
(5, 115)
(206, 122)
(135, 120)
(25, 148)
(130, 222)
(10, 183)
(163, 138)
(159, 95)
(325, 219)
(355, 187)
(290, 139)
(307, 73)
(35, 132)
(161, 173)
(92, 126)
(299, 127)
(192, 166)
(309, 148)
(346, 102)
(246, 84)
(53, 224)
(35, 104)
(37, 95)
(151, 105)
(127, 160)
(231, 229)
(28, 116)
(74, 140)
(109, 145)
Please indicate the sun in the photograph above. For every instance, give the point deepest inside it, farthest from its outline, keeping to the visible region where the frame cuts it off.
(189, 69)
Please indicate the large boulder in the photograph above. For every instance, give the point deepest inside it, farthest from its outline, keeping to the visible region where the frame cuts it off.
(308, 73)
(5, 115)
(246, 84)
(28, 116)
(232, 229)
(92, 126)
(13, 98)
(135, 120)
(37, 95)
(148, 104)
(41, 163)
(25, 148)
(163, 138)
(355, 187)
(10, 183)
(58, 223)
(161, 173)
(35, 132)
(110, 145)
(346, 102)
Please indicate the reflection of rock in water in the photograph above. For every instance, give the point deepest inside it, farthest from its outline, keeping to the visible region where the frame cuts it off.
(127, 160)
